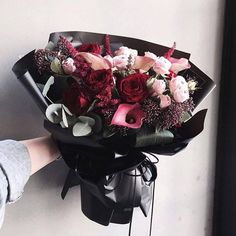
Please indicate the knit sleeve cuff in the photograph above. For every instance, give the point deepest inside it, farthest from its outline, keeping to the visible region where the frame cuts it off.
(16, 165)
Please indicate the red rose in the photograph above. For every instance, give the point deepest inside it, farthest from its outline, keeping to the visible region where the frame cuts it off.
(75, 99)
(99, 80)
(90, 47)
(133, 88)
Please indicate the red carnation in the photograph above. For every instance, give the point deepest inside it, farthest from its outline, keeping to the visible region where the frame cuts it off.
(133, 88)
(99, 80)
(90, 47)
(75, 99)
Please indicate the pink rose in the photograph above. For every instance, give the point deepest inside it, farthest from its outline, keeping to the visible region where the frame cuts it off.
(179, 88)
(126, 51)
(162, 66)
(165, 101)
(120, 62)
(68, 66)
(178, 82)
(158, 87)
(181, 95)
(151, 55)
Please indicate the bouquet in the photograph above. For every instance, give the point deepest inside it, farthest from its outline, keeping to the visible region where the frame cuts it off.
(108, 102)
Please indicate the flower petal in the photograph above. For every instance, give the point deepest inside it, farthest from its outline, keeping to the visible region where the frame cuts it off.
(128, 111)
(143, 63)
(179, 64)
(97, 62)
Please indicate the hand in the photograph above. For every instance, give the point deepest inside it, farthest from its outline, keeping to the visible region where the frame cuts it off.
(42, 151)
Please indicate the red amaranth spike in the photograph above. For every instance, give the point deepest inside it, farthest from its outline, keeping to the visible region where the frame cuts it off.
(170, 51)
(72, 51)
(107, 45)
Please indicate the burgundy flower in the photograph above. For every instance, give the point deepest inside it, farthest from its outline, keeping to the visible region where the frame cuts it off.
(133, 88)
(99, 80)
(128, 115)
(75, 99)
(90, 47)
(82, 67)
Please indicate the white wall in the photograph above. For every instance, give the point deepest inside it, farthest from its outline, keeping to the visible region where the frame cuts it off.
(185, 182)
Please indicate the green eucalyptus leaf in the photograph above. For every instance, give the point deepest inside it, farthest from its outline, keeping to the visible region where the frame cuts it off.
(86, 119)
(40, 86)
(150, 82)
(107, 133)
(151, 137)
(56, 66)
(92, 105)
(62, 124)
(67, 110)
(81, 129)
(48, 85)
(185, 117)
(98, 122)
(64, 118)
(50, 46)
(54, 113)
(67, 117)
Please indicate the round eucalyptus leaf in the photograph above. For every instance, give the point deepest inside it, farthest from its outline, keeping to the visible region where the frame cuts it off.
(48, 85)
(56, 66)
(81, 129)
(98, 122)
(86, 119)
(54, 113)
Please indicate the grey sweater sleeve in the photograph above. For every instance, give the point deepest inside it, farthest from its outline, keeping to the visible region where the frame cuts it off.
(15, 170)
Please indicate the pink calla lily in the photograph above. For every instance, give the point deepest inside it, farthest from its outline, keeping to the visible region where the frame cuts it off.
(179, 64)
(143, 63)
(128, 115)
(96, 61)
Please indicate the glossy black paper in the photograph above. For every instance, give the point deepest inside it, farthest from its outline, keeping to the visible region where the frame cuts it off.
(111, 186)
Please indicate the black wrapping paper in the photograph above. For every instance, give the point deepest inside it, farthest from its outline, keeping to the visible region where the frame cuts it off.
(111, 186)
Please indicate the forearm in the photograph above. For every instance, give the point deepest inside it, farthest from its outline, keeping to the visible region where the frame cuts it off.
(42, 151)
